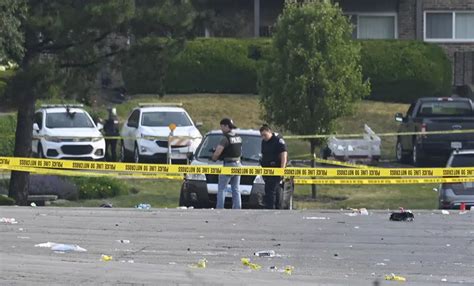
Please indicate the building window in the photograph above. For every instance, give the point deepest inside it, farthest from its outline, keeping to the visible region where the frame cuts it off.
(441, 26)
(374, 26)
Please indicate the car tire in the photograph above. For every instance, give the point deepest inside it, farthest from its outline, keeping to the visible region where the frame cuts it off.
(417, 156)
(136, 154)
(41, 152)
(183, 199)
(402, 157)
(123, 153)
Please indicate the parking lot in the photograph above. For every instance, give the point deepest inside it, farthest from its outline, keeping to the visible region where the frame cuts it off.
(324, 247)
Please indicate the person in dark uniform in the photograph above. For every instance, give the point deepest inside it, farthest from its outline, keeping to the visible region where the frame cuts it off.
(111, 128)
(274, 155)
(229, 150)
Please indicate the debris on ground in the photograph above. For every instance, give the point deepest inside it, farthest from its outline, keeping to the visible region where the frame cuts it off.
(403, 215)
(316, 217)
(124, 241)
(106, 258)
(393, 277)
(33, 204)
(288, 269)
(445, 212)
(106, 205)
(202, 263)
(265, 253)
(356, 212)
(59, 247)
(127, 261)
(143, 206)
(246, 262)
(8, 220)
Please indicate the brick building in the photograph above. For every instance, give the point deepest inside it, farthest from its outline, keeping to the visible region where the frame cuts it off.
(448, 23)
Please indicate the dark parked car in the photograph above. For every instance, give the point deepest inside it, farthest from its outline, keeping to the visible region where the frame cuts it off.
(434, 114)
(453, 194)
(200, 191)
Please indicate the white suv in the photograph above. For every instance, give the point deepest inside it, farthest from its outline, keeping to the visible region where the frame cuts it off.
(145, 134)
(66, 132)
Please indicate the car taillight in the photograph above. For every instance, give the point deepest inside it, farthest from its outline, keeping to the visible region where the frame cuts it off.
(423, 129)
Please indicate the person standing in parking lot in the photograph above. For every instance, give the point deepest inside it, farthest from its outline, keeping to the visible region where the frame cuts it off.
(229, 150)
(111, 129)
(274, 155)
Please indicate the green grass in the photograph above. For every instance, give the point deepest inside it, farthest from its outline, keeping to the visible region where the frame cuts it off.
(245, 110)
(157, 193)
(367, 196)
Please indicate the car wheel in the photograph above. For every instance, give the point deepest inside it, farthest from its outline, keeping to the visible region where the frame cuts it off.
(136, 155)
(40, 152)
(183, 199)
(401, 156)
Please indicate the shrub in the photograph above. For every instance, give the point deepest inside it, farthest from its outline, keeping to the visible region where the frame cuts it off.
(7, 129)
(216, 66)
(53, 185)
(99, 187)
(402, 71)
(399, 71)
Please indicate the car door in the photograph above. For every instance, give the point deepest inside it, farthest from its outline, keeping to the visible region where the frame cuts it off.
(38, 119)
(130, 130)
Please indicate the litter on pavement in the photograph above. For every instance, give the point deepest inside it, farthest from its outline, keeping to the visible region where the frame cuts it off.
(315, 217)
(246, 262)
(8, 220)
(106, 205)
(143, 206)
(356, 212)
(202, 263)
(105, 258)
(124, 241)
(403, 215)
(393, 277)
(265, 253)
(61, 247)
(445, 212)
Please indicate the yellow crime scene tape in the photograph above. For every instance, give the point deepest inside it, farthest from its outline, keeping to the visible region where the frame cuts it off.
(388, 181)
(245, 171)
(75, 173)
(288, 137)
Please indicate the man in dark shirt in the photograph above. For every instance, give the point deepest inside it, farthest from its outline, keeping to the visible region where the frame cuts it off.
(111, 129)
(274, 155)
(229, 150)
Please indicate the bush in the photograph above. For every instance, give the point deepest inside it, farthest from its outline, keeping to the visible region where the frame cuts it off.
(208, 65)
(399, 71)
(98, 187)
(53, 185)
(7, 129)
(402, 71)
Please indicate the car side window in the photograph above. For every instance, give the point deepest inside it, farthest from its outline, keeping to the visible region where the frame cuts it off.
(133, 119)
(39, 119)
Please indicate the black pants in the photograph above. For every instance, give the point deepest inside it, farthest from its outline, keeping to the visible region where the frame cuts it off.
(272, 187)
(111, 145)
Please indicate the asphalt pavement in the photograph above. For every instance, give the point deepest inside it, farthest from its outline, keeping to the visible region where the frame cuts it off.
(163, 246)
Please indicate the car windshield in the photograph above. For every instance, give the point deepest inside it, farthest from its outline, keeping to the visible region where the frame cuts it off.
(445, 108)
(68, 120)
(251, 147)
(463, 160)
(164, 119)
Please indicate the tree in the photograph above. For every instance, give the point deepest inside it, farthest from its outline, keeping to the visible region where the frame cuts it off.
(63, 43)
(313, 75)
